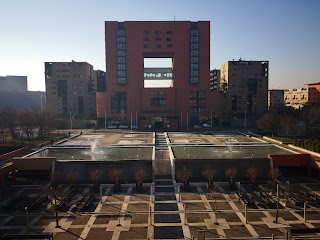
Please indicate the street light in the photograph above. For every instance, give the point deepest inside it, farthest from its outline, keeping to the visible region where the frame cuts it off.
(27, 215)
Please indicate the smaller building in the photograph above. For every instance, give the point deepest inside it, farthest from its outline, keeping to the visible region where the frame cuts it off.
(275, 99)
(23, 100)
(215, 80)
(13, 84)
(314, 94)
(296, 98)
(71, 88)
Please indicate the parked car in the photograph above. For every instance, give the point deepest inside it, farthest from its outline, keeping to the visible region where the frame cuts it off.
(196, 126)
(123, 127)
(205, 125)
(135, 127)
(112, 127)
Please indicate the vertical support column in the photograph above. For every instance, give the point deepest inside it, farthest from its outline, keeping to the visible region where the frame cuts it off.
(179, 195)
(305, 211)
(150, 214)
(245, 212)
(185, 215)
(100, 194)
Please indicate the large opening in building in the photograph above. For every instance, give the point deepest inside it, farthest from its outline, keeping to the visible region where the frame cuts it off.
(158, 70)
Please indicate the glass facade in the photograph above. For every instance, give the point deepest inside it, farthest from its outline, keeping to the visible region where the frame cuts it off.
(158, 99)
(119, 102)
(197, 101)
(194, 54)
(121, 58)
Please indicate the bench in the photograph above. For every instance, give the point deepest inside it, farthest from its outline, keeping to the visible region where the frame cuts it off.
(27, 236)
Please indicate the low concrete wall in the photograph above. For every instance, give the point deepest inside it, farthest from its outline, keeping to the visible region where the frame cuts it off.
(220, 165)
(84, 168)
(37, 163)
(304, 150)
(14, 153)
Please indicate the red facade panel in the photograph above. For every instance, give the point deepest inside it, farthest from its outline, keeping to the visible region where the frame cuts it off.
(143, 39)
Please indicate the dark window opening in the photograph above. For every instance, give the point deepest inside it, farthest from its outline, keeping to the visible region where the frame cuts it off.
(158, 99)
(119, 102)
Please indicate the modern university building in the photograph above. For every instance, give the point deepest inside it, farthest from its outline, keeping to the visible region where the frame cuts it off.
(157, 75)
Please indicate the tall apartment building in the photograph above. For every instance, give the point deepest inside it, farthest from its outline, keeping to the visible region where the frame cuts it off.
(314, 94)
(13, 84)
(246, 87)
(275, 99)
(215, 80)
(71, 88)
(296, 98)
(187, 98)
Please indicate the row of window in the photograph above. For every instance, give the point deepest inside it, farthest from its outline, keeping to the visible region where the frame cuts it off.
(157, 46)
(158, 99)
(157, 32)
(157, 39)
(121, 51)
(194, 56)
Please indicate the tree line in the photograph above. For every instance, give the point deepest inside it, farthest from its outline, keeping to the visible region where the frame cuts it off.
(286, 118)
(32, 123)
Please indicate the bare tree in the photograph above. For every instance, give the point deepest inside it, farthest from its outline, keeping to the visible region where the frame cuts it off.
(10, 120)
(214, 194)
(140, 176)
(27, 122)
(274, 174)
(184, 174)
(311, 115)
(287, 122)
(96, 176)
(2, 125)
(231, 173)
(116, 174)
(210, 175)
(268, 122)
(73, 176)
(252, 173)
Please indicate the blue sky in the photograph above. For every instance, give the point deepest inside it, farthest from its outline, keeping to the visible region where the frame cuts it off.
(287, 33)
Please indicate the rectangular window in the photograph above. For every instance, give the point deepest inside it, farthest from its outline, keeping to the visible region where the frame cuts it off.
(119, 102)
(194, 46)
(158, 39)
(121, 39)
(169, 32)
(121, 46)
(194, 66)
(146, 39)
(120, 32)
(121, 53)
(169, 39)
(194, 59)
(158, 46)
(157, 32)
(121, 59)
(194, 53)
(197, 101)
(158, 99)
(121, 66)
(194, 33)
(169, 46)
(145, 46)
(194, 39)
(122, 80)
(145, 32)
(121, 73)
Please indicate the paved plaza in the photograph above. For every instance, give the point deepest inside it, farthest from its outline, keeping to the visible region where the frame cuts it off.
(164, 215)
(161, 209)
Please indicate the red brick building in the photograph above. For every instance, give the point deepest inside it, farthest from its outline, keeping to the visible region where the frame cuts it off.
(187, 100)
(314, 94)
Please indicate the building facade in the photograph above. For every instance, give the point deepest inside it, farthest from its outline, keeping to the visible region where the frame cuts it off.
(245, 85)
(13, 84)
(296, 98)
(184, 102)
(71, 88)
(23, 100)
(215, 80)
(275, 99)
(314, 94)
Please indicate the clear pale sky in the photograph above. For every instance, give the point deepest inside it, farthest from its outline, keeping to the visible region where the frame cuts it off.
(287, 33)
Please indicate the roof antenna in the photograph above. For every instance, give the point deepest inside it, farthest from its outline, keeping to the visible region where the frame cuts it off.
(174, 18)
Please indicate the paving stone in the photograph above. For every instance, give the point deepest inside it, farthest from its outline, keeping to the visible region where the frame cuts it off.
(164, 189)
(167, 232)
(167, 197)
(167, 218)
(165, 207)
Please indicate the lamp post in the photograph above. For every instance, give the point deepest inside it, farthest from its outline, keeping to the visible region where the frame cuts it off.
(27, 215)
(277, 213)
